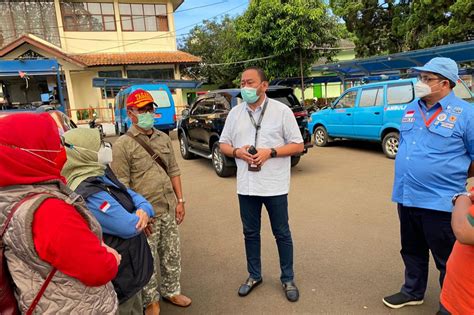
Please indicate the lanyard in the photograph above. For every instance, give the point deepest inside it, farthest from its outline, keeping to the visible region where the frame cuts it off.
(255, 124)
(429, 121)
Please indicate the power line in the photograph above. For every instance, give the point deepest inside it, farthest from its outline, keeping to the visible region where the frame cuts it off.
(241, 61)
(137, 17)
(133, 41)
(159, 36)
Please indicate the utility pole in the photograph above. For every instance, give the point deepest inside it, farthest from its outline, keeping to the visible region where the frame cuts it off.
(302, 76)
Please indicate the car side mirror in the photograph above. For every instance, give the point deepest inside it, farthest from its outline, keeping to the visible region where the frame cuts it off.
(185, 112)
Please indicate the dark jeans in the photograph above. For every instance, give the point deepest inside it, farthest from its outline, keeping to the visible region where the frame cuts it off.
(250, 213)
(422, 231)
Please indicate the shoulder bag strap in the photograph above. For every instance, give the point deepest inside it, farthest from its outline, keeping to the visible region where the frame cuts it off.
(150, 151)
(4, 229)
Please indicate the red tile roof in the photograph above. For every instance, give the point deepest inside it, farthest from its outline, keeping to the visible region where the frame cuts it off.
(33, 41)
(131, 58)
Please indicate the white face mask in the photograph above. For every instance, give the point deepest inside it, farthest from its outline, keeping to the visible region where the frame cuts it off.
(422, 89)
(104, 156)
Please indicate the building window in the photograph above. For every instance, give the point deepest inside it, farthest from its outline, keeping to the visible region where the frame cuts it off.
(20, 17)
(159, 74)
(143, 17)
(110, 74)
(88, 16)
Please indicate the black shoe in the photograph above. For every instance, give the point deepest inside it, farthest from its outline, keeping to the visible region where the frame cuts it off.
(291, 291)
(248, 286)
(399, 300)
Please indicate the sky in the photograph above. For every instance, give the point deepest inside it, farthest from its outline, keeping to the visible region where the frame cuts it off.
(192, 12)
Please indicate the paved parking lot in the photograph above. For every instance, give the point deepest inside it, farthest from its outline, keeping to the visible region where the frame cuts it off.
(345, 231)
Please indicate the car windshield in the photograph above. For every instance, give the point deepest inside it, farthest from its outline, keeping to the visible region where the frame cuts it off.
(462, 91)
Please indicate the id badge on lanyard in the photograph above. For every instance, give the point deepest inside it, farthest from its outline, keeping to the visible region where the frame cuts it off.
(253, 167)
(259, 124)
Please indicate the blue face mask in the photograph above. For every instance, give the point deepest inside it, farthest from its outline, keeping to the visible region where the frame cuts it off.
(249, 95)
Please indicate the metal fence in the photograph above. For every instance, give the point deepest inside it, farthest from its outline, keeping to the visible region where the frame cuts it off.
(85, 115)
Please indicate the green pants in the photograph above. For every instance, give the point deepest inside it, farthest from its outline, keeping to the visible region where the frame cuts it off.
(164, 244)
(132, 306)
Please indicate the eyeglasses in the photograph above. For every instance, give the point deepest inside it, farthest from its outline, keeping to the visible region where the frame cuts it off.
(145, 110)
(425, 79)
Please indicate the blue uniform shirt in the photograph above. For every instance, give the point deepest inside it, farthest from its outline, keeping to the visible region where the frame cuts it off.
(113, 218)
(432, 163)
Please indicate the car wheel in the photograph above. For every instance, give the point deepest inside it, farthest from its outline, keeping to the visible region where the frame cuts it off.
(295, 160)
(390, 144)
(220, 164)
(320, 136)
(184, 147)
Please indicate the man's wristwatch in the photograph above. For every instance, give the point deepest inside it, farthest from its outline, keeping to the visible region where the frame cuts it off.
(274, 153)
(181, 200)
(456, 196)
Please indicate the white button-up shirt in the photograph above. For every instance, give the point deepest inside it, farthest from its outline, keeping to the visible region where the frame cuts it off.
(278, 127)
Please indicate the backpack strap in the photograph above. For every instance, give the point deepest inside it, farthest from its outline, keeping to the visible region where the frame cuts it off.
(36, 204)
(150, 151)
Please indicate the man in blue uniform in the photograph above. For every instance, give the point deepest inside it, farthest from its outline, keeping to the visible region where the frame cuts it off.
(434, 159)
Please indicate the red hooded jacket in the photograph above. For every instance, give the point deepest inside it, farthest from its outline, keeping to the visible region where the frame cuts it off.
(61, 236)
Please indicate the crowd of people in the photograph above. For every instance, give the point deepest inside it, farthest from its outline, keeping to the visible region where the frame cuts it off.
(91, 229)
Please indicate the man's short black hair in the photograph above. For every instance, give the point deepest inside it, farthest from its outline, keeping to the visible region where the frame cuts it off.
(261, 73)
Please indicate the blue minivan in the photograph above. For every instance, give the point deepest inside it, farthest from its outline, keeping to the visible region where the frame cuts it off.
(370, 112)
(165, 113)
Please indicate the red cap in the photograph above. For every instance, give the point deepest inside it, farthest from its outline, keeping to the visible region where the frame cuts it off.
(139, 98)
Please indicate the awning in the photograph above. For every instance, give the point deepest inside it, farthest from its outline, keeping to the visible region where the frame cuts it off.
(459, 52)
(13, 68)
(124, 82)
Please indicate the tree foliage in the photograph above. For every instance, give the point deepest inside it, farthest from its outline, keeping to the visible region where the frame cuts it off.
(284, 29)
(215, 41)
(393, 26)
(279, 28)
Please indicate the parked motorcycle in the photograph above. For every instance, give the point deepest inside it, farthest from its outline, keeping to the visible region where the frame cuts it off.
(94, 124)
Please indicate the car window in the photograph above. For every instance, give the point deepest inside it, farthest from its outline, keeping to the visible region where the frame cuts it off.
(371, 97)
(203, 107)
(221, 103)
(347, 101)
(285, 96)
(400, 93)
(161, 98)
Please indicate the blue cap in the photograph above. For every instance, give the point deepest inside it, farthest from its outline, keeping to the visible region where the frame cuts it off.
(446, 67)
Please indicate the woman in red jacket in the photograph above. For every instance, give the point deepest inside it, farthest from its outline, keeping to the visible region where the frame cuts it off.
(56, 235)
(457, 295)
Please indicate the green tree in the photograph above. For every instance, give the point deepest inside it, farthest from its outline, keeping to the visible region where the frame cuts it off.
(437, 22)
(215, 41)
(399, 25)
(371, 23)
(286, 29)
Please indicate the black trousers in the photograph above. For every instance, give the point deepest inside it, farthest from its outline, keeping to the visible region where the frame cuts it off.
(422, 231)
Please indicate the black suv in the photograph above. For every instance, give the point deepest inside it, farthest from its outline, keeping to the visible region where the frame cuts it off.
(201, 125)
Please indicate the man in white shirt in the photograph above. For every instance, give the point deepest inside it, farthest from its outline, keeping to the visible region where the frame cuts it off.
(263, 177)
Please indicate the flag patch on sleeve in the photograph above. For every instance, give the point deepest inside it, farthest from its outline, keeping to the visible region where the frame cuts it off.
(104, 206)
(410, 114)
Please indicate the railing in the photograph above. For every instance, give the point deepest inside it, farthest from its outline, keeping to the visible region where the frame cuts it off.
(85, 115)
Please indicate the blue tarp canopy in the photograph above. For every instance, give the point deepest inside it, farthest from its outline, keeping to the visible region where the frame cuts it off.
(124, 82)
(459, 52)
(388, 67)
(9, 68)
